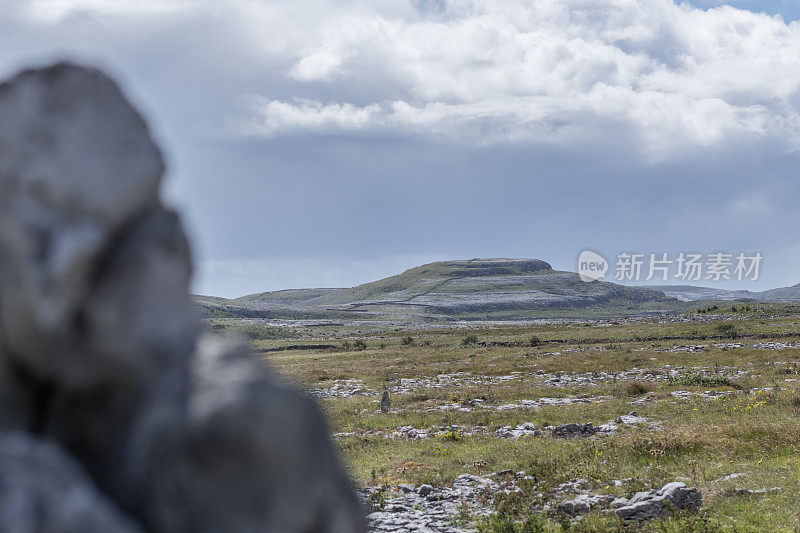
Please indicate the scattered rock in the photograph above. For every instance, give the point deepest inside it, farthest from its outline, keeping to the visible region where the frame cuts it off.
(424, 490)
(515, 432)
(552, 402)
(524, 430)
(728, 477)
(706, 395)
(584, 503)
(631, 419)
(573, 487)
(432, 508)
(753, 492)
(342, 389)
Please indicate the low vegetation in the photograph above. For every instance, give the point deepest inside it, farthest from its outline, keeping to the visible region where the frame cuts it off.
(722, 385)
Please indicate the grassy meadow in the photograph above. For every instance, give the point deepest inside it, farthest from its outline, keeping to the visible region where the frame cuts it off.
(721, 383)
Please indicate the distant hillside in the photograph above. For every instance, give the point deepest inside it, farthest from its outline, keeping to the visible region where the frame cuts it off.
(690, 293)
(477, 288)
(784, 294)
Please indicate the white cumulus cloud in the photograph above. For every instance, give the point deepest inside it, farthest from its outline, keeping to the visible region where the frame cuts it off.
(489, 71)
(661, 76)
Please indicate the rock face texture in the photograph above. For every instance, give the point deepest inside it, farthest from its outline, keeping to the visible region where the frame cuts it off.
(42, 489)
(116, 412)
(583, 503)
(675, 496)
(641, 507)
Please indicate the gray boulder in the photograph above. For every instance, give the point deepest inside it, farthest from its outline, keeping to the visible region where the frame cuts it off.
(96, 326)
(522, 430)
(584, 503)
(255, 454)
(675, 496)
(575, 430)
(100, 348)
(77, 165)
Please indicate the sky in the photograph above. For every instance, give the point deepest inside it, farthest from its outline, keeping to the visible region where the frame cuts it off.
(324, 143)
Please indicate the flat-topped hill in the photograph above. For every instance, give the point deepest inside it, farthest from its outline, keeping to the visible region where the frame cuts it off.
(492, 288)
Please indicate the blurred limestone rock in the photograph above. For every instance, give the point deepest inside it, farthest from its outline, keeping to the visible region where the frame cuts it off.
(42, 489)
(100, 349)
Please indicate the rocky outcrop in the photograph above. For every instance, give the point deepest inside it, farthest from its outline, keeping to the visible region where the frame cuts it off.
(105, 379)
(430, 509)
(642, 506)
(675, 496)
(575, 430)
(583, 503)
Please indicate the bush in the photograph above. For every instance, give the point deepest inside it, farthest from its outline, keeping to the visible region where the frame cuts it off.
(453, 435)
(535, 341)
(635, 388)
(794, 401)
(359, 345)
(408, 340)
(469, 340)
(728, 331)
(377, 501)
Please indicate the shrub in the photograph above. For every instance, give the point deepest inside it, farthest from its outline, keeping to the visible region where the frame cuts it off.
(728, 331)
(469, 340)
(635, 388)
(794, 401)
(377, 501)
(535, 341)
(408, 340)
(453, 435)
(359, 345)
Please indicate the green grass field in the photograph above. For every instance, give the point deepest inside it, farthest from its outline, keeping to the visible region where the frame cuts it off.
(457, 377)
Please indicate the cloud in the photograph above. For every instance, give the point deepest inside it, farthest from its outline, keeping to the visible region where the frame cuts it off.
(54, 11)
(302, 114)
(662, 122)
(495, 71)
(752, 206)
(670, 76)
